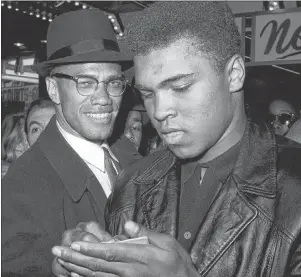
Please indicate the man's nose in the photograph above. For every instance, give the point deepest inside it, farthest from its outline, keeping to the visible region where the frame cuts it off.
(100, 96)
(163, 106)
(277, 124)
(129, 134)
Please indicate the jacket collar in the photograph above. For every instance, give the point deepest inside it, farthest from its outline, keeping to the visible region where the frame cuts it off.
(70, 167)
(254, 171)
(157, 165)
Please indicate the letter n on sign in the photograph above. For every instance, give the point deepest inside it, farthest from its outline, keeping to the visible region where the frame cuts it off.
(277, 38)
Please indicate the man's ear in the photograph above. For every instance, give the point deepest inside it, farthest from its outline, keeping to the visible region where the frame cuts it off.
(53, 91)
(236, 73)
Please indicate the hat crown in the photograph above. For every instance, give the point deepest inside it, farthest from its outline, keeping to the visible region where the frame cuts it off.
(78, 26)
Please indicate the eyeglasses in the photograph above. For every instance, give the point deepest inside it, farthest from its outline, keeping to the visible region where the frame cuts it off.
(283, 119)
(87, 86)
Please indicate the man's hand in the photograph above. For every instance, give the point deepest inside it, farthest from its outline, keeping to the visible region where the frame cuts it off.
(164, 256)
(85, 231)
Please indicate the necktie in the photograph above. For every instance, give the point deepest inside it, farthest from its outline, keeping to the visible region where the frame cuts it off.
(110, 170)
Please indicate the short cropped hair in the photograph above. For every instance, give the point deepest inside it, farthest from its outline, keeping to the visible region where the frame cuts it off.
(210, 23)
(37, 104)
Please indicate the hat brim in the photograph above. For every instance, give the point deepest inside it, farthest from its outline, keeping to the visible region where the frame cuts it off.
(125, 59)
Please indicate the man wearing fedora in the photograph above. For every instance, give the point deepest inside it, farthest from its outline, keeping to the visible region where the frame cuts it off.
(67, 175)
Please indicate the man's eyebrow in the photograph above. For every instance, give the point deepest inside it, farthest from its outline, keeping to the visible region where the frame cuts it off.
(174, 79)
(167, 81)
(107, 78)
(34, 122)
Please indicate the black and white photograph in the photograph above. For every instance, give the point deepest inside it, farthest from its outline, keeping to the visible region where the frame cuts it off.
(150, 138)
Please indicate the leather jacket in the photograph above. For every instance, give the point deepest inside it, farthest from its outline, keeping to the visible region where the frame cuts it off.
(253, 226)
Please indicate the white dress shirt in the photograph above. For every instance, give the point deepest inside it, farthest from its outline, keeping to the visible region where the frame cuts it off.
(93, 155)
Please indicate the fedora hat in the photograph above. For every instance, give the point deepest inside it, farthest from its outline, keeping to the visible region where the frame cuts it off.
(82, 36)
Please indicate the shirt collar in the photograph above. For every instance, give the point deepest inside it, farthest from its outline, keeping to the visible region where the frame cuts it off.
(224, 163)
(221, 165)
(90, 152)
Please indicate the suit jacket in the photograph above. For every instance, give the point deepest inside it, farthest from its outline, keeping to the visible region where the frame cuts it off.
(47, 190)
(253, 226)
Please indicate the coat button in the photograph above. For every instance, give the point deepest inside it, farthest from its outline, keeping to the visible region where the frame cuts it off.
(187, 235)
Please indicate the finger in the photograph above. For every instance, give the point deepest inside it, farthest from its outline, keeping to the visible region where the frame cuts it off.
(58, 270)
(88, 266)
(77, 234)
(77, 271)
(120, 237)
(118, 252)
(134, 230)
(95, 229)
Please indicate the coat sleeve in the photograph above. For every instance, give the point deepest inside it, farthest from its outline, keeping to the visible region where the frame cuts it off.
(295, 263)
(26, 239)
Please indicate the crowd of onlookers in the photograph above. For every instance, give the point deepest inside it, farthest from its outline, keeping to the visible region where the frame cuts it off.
(20, 131)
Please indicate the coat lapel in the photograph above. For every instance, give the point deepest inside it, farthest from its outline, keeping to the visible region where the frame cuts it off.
(73, 171)
(254, 174)
(98, 196)
(229, 215)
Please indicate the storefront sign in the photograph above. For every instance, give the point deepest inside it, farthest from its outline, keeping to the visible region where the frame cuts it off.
(276, 38)
(23, 94)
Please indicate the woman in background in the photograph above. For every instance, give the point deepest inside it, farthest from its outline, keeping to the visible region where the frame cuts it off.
(38, 116)
(13, 140)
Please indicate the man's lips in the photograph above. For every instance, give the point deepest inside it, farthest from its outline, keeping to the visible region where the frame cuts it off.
(172, 136)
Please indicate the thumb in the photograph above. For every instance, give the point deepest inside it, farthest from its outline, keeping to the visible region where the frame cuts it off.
(135, 230)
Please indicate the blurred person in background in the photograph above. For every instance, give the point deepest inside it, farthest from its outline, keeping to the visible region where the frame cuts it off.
(133, 126)
(294, 133)
(282, 115)
(37, 117)
(13, 140)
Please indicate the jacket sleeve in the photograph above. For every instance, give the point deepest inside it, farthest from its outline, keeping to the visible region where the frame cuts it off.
(26, 240)
(295, 263)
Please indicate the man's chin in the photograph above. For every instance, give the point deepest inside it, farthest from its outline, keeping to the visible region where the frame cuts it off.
(97, 137)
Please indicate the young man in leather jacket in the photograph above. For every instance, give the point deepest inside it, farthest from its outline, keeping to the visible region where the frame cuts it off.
(224, 198)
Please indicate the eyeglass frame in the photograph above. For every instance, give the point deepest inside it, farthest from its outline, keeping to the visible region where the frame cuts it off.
(287, 122)
(75, 79)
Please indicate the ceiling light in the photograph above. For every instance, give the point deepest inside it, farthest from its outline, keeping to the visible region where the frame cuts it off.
(2, 3)
(44, 15)
(273, 5)
(9, 6)
(18, 44)
(50, 17)
(84, 6)
(76, 3)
